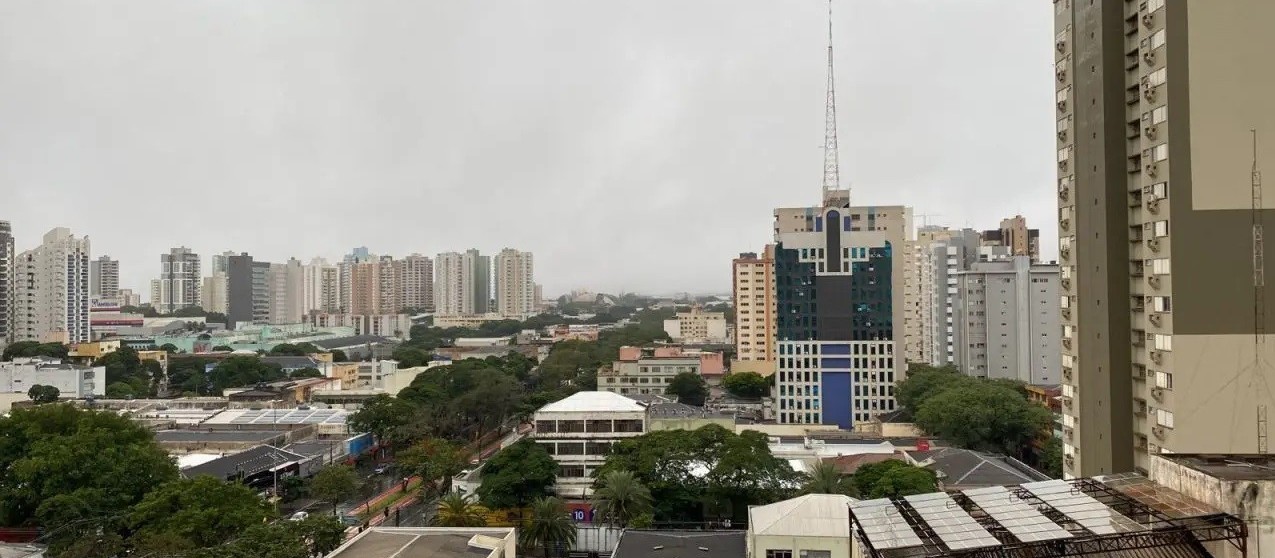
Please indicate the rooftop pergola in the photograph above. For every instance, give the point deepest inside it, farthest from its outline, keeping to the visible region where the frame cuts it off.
(1120, 515)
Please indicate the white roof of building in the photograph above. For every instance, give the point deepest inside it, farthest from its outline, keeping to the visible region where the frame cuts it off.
(193, 459)
(812, 515)
(592, 402)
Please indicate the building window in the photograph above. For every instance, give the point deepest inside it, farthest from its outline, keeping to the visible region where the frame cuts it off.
(1160, 304)
(1161, 152)
(549, 447)
(598, 425)
(1160, 266)
(546, 426)
(628, 426)
(1160, 228)
(1164, 418)
(1164, 380)
(575, 471)
(570, 448)
(1163, 342)
(597, 448)
(570, 426)
(1156, 78)
(1160, 114)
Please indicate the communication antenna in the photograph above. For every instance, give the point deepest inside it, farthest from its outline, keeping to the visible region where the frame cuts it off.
(831, 163)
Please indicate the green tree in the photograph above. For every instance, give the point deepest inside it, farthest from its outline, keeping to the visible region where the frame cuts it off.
(221, 348)
(620, 499)
(435, 460)
(924, 381)
(119, 390)
(334, 483)
(411, 357)
(983, 417)
(339, 356)
(34, 349)
(457, 510)
(169, 348)
(1051, 459)
(205, 511)
(238, 371)
(689, 387)
(748, 385)
(517, 475)
(383, 416)
(68, 466)
(826, 478)
(307, 373)
(550, 526)
(892, 478)
(41, 394)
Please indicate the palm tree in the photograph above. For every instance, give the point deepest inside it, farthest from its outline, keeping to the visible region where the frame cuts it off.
(825, 478)
(456, 510)
(549, 526)
(621, 498)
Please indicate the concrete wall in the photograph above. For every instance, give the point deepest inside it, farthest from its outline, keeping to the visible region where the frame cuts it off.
(1252, 501)
(690, 423)
(838, 547)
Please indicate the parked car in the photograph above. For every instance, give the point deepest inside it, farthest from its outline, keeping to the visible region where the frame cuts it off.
(299, 516)
(383, 468)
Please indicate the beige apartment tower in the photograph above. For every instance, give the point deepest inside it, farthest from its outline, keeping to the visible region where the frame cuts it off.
(1162, 346)
(753, 283)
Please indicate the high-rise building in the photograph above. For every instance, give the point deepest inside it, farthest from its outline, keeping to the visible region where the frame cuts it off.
(179, 283)
(1006, 321)
(212, 297)
(6, 283)
(753, 288)
(1160, 358)
(362, 286)
(285, 284)
(321, 287)
(839, 295)
(389, 286)
(248, 290)
(416, 283)
(51, 301)
(129, 298)
(515, 284)
(1015, 237)
(462, 283)
(104, 278)
(939, 254)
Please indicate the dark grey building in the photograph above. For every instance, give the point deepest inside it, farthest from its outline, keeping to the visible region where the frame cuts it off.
(246, 290)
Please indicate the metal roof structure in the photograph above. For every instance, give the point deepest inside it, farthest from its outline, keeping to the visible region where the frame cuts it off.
(280, 416)
(1119, 515)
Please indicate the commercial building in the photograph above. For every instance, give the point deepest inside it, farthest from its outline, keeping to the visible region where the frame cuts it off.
(104, 278)
(179, 281)
(697, 327)
(1006, 321)
(212, 297)
(431, 542)
(578, 432)
(285, 285)
(72, 381)
(1242, 485)
(416, 283)
(753, 290)
(247, 290)
(839, 274)
(641, 543)
(397, 326)
(51, 290)
(6, 283)
(462, 283)
(515, 284)
(130, 298)
(320, 287)
(649, 370)
(1166, 346)
(1015, 237)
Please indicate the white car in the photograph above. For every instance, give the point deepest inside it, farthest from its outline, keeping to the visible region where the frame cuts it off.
(299, 516)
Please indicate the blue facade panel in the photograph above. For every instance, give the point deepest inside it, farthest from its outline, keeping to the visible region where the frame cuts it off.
(831, 349)
(836, 363)
(836, 399)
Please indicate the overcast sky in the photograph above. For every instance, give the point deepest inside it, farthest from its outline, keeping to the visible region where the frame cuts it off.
(635, 145)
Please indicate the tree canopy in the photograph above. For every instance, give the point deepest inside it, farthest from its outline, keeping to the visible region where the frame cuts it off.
(550, 526)
(435, 460)
(204, 511)
(689, 387)
(22, 349)
(129, 374)
(517, 476)
(826, 478)
(621, 500)
(41, 394)
(892, 479)
(748, 385)
(383, 416)
(333, 484)
(973, 413)
(64, 464)
(709, 471)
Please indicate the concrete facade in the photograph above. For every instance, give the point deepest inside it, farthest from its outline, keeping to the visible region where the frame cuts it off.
(72, 381)
(51, 290)
(753, 289)
(180, 281)
(1241, 485)
(1006, 321)
(642, 371)
(1155, 159)
(104, 278)
(462, 283)
(320, 287)
(578, 432)
(416, 283)
(515, 284)
(939, 254)
(695, 326)
(6, 283)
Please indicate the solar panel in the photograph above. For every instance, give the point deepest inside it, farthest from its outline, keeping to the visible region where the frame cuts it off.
(884, 525)
(1021, 520)
(1082, 508)
(954, 527)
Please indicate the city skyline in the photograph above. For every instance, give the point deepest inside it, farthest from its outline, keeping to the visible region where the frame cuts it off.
(633, 150)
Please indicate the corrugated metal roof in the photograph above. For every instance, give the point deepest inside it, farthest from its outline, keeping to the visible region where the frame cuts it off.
(812, 515)
(593, 401)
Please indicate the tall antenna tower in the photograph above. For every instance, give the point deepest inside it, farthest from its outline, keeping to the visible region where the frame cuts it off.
(1259, 293)
(831, 164)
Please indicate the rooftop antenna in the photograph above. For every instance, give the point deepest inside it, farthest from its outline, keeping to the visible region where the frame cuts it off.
(1259, 292)
(831, 165)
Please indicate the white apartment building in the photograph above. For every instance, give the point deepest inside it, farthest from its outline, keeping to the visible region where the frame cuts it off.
(649, 373)
(72, 381)
(397, 326)
(320, 287)
(1007, 321)
(578, 432)
(416, 282)
(212, 297)
(6, 282)
(941, 254)
(284, 283)
(51, 290)
(696, 326)
(515, 284)
(462, 283)
(179, 283)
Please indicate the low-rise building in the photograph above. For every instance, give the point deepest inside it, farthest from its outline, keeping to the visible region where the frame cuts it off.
(1239, 484)
(431, 542)
(578, 432)
(470, 321)
(678, 416)
(960, 469)
(73, 381)
(696, 326)
(397, 326)
(642, 543)
(649, 370)
(810, 526)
